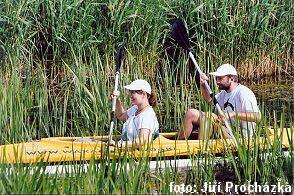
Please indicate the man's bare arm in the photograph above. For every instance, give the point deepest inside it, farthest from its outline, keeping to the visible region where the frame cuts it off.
(246, 116)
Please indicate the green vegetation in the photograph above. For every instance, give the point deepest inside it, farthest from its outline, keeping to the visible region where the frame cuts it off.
(57, 67)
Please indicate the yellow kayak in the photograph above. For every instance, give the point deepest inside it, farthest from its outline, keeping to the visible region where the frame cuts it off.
(60, 149)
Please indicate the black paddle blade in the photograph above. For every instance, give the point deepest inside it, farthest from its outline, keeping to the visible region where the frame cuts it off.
(179, 33)
(119, 58)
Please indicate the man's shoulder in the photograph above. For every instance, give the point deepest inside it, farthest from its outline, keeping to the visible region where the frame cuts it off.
(245, 91)
(243, 88)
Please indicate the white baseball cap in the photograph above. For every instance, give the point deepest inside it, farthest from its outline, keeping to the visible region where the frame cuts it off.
(139, 84)
(225, 69)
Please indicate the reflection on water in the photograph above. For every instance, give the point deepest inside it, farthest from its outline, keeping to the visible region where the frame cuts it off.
(276, 97)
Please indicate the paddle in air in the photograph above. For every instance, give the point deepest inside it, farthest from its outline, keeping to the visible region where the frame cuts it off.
(180, 34)
(118, 62)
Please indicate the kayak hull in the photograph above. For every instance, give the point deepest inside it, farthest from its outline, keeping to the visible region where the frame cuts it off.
(61, 149)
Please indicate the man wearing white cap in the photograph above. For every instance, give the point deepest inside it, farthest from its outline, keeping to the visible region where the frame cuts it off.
(236, 100)
(141, 123)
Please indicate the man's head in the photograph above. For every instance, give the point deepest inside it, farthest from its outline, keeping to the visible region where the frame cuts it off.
(225, 75)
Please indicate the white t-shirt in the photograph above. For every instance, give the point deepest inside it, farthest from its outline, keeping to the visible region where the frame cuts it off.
(242, 99)
(145, 120)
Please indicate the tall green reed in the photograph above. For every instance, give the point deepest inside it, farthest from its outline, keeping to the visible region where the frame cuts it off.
(57, 72)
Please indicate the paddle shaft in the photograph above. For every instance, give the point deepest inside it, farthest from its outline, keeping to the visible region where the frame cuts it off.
(113, 106)
(228, 127)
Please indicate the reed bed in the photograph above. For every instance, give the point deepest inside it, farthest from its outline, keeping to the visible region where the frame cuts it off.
(57, 66)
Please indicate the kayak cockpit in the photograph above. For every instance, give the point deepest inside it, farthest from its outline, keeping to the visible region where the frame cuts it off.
(174, 136)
